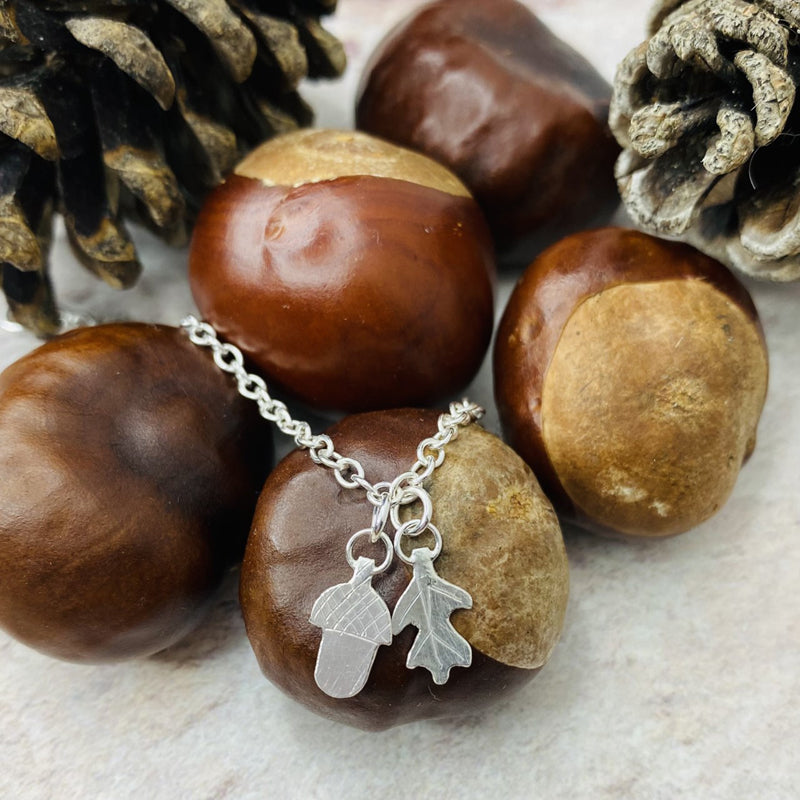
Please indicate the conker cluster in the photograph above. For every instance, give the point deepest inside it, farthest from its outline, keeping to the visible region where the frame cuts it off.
(357, 275)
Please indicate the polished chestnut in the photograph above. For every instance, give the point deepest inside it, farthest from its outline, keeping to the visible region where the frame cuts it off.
(348, 285)
(502, 544)
(129, 469)
(630, 373)
(485, 88)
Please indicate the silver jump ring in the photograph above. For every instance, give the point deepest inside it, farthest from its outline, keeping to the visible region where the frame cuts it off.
(367, 532)
(381, 513)
(405, 481)
(401, 532)
(415, 526)
(379, 489)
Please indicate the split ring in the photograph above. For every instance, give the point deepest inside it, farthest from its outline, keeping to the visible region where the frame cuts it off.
(367, 532)
(415, 526)
(382, 510)
(401, 532)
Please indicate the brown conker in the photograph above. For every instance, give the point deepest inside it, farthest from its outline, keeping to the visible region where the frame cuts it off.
(356, 274)
(630, 373)
(502, 543)
(485, 88)
(129, 471)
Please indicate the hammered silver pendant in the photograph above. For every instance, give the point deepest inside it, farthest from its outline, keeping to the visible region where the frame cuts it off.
(355, 621)
(427, 604)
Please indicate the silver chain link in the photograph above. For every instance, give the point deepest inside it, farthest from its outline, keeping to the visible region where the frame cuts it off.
(349, 472)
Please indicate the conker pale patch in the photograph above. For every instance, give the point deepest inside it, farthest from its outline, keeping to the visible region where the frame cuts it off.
(650, 404)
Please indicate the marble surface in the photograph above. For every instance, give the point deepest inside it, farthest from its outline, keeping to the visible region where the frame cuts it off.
(678, 674)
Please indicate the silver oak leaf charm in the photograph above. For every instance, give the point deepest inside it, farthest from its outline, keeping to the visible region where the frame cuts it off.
(355, 621)
(427, 604)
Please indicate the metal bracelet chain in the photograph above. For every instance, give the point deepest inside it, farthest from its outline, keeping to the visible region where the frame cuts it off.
(349, 473)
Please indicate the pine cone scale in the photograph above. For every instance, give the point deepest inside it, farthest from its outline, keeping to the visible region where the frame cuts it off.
(773, 94)
(734, 145)
(230, 37)
(30, 300)
(9, 30)
(772, 229)
(148, 178)
(18, 244)
(23, 117)
(130, 150)
(217, 141)
(283, 45)
(100, 242)
(130, 50)
(107, 251)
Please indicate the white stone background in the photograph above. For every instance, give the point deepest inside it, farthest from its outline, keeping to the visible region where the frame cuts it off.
(678, 674)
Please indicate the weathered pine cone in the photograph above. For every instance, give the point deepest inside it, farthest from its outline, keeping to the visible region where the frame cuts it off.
(706, 112)
(135, 108)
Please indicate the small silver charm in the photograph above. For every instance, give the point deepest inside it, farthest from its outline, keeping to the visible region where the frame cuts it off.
(427, 604)
(355, 621)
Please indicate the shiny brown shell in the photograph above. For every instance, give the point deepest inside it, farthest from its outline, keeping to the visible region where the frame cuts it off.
(485, 88)
(350, 286)
(129, 471)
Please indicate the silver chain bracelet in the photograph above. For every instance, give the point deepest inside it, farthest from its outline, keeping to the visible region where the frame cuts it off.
(355, 620)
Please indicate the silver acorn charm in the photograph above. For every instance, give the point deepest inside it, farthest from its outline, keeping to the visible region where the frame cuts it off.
(355, 621)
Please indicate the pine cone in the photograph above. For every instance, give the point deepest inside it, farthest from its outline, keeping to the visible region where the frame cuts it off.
(706, 111)
(136, 108)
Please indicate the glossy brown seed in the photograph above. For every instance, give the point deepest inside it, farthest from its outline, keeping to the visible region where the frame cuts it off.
(502, 543)
(355, 274)
(485, 88)
(129, 471)
(630, 373)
